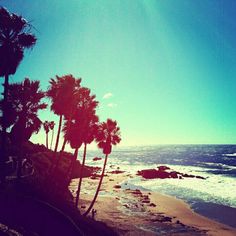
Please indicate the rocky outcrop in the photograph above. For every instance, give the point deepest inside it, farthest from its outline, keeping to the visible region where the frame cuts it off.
(97, 158)
(164, 172)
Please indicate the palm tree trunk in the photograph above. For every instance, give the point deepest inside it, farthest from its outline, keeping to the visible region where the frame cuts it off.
(47, 140)
(52, 139)
(81, 176)
(4, 130)
(98, 188)
(58, 134)
(59, 157)
(70, 169)
(64, 145)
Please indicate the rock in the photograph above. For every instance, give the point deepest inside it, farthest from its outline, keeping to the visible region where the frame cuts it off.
(145, 197)
(188, 176)
(145, 201)
(161, 173)
(117, 186)
(152, 205)
(83, 207)
(136, 191)
(153, 174)
(116, 172)
(199, 177)
(93, 177)
(97, 158)
(111, 179)
(163, 168)
(173, 175)
(165, 219)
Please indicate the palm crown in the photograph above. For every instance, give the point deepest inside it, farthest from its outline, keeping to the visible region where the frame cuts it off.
(14, 38)
(80, 128)
(61, 92)
(108, 134)
(24, 101)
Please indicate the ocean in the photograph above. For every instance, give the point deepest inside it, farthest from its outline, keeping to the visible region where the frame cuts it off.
(214, 197)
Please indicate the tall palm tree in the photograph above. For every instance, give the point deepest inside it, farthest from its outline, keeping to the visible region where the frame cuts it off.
(108, 134)
(76, 127)
(51, 126)
(15, 37)
(61, 92)
(46, 129)
(24, 100)
(82, 100)
(89, 134)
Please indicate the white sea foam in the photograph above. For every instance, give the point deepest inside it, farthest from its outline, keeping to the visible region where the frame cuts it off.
(211, 162)
(230, 155)
(215, 188)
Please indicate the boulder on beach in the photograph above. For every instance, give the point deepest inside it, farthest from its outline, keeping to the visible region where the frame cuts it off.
(163, 172)
(117, 186)
(136, 192)
(163, 168)
(153, 174)
(97, 158)
(146, 201)
(116, 172)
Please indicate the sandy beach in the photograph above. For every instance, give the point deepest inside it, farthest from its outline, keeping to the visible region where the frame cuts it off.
(135, 212)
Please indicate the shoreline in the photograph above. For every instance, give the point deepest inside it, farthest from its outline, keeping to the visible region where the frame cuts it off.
(148, 212)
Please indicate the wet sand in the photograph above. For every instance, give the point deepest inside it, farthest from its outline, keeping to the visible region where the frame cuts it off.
(145, 213)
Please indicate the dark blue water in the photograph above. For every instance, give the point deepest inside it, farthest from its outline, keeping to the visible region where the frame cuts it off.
(217, 159)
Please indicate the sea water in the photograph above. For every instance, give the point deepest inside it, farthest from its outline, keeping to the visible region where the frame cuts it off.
(214, 197)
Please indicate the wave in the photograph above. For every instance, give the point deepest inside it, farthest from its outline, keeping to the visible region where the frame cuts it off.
(230, 155)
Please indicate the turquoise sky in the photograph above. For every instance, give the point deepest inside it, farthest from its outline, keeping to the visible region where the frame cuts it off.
(167, 67)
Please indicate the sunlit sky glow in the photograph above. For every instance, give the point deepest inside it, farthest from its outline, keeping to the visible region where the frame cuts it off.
(164, 69)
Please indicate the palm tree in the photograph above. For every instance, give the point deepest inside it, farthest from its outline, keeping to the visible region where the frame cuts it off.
(51, 126)
(108, 134)
(24, 100)
(61, 92)
(90, 130)
(15, 37)
(46, 129)
(76, 127)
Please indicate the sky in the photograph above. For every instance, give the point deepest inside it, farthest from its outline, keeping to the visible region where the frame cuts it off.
(164, 69)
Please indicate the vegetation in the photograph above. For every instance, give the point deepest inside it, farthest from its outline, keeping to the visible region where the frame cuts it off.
(108, 134)
(74, 104)
(15, 37)
(47, 126)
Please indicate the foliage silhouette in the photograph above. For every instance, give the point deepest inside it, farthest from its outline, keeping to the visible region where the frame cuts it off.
(75, 105)
(61, 92)
(24, 102)
(77, 127)
(51, 126)
(46, 129)
(90, 125)
(108, 134)
(15, 37)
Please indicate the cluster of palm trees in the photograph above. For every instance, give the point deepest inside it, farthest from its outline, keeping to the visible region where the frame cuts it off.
(76, 108)
(73, 103)
(15, 37)
(47, 126)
